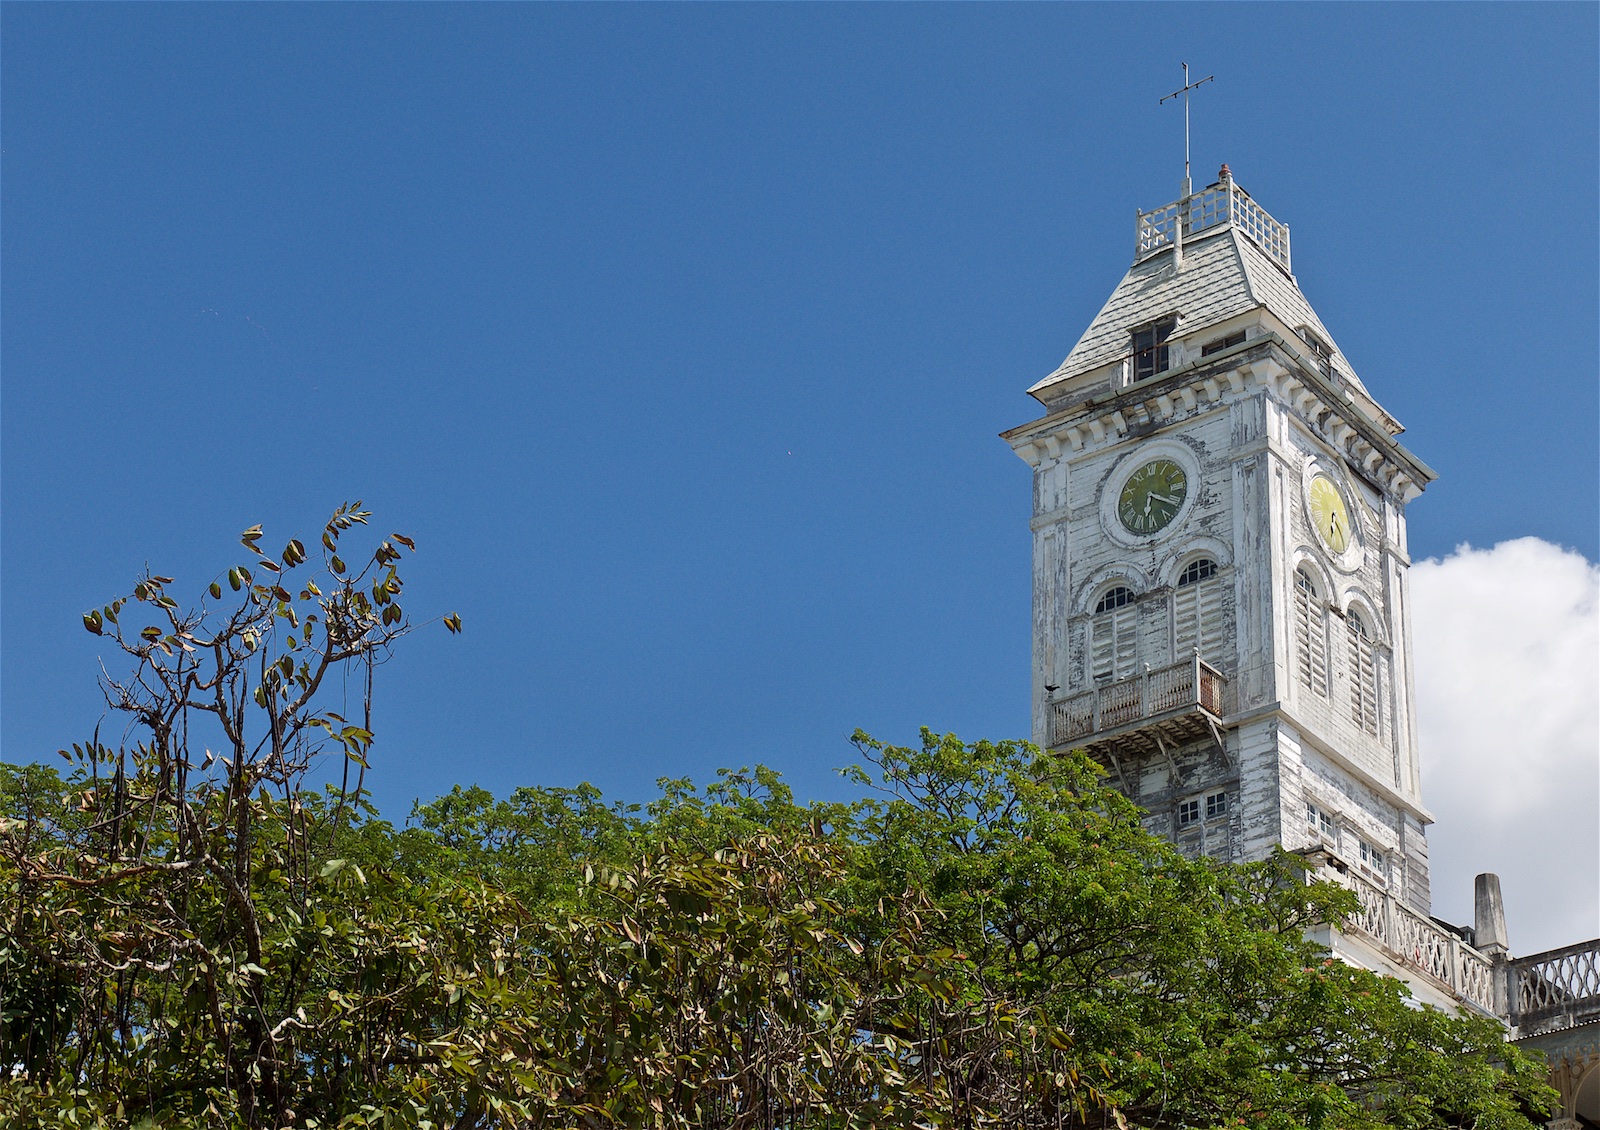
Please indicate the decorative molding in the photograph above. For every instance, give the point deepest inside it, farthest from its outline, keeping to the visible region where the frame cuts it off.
(1138, 581)
(1201, 545)
(1355, 597)
(1199, 387)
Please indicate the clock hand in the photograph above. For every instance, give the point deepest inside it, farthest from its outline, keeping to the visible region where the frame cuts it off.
(1164, 498)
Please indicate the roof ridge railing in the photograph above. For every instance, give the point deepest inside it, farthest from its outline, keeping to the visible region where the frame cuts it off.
(1218, 206)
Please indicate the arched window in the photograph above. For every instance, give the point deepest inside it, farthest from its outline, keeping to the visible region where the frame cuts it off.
(1363, 674)
(1115, 598)
(1114, 646)
(1310, 634)
(1197, 611)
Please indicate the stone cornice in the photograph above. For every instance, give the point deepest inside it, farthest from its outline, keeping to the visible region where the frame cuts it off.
(1265, 363)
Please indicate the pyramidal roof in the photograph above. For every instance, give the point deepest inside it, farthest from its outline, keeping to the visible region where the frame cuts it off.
(1226, 257)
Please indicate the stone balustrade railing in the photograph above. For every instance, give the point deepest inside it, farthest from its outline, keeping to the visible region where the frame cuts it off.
(1556, 989)
(1421, 944)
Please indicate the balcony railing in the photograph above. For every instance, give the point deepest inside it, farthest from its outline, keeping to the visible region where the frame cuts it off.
(1222, 205)
(1556, 989)
(1423, 945)
(1181, 688)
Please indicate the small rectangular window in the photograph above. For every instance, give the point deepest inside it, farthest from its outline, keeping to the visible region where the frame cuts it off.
(1233, 339)
(1151, 353)
(1319, 349)
(1216, 805)
(1319, 822)
(1188, 813)
(1371, 857)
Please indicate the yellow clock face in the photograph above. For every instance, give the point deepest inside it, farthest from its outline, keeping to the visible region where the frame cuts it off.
(1329, 515)
(1152, 496)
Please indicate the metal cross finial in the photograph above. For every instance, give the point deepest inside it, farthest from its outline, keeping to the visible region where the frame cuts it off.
(1188, 187)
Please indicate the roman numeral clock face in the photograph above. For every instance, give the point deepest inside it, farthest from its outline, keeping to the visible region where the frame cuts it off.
(1152, 496)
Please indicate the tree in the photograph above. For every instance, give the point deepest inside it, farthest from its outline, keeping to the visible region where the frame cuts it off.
(1187, 987)
(145, 892)
(988, 937)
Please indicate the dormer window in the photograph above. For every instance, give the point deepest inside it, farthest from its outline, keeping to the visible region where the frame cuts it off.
(1150, 350)
(1321, 350)
(1233, 339)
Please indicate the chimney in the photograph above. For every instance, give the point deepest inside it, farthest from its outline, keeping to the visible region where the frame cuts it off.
(1489, 916)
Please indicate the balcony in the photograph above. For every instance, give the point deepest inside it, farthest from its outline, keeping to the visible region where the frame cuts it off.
(1222, 205)
(1423, 946)
(1164, 707)
(1556, 990)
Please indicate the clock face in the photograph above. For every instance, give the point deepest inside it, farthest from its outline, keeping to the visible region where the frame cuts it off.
(1328, 514)
(1152, 496)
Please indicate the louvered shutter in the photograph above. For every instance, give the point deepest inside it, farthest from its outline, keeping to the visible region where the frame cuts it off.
(1363, 676)
(1197, 615)
(1311, 636)
(1126, 632)
(1116, 643)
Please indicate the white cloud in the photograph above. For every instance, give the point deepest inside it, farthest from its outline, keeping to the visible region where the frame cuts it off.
(1507, 647)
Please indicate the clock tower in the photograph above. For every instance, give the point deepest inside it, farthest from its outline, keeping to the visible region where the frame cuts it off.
(1220, 602)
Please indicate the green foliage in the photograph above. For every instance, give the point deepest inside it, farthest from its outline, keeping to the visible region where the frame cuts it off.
(159, 900)
(988, 938)
(1188, 987)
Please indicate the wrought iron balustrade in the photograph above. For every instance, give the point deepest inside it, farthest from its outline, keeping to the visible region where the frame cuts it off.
(1181, 687)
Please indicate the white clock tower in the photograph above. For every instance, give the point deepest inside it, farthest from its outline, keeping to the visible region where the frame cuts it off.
(1220, 601)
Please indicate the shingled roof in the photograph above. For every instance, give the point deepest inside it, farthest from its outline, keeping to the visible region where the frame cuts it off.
(1224, 272)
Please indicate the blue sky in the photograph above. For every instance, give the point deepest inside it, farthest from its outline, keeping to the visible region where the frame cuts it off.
(679, 336)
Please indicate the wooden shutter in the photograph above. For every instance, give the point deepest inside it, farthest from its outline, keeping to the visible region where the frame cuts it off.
(1116, 643)
(1311, 635)
(1197, 619)
(1363, 676)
